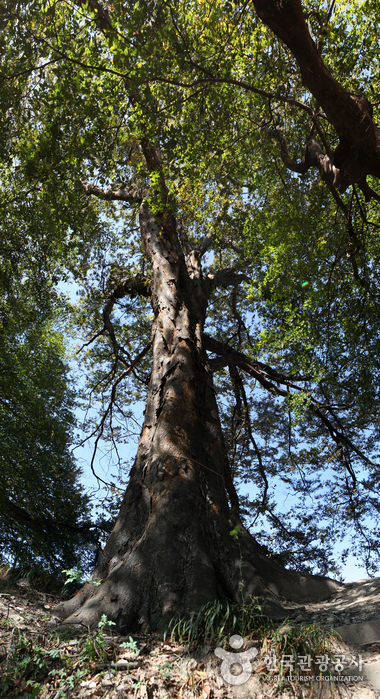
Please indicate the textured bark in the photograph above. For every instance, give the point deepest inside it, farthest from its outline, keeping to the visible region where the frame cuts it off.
(358, 152)
(171, 549)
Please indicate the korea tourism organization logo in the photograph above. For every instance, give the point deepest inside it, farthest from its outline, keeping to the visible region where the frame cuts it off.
(229, 659)
(329, 668)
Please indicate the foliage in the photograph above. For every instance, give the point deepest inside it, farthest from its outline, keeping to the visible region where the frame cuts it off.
(130, 645)
(299, 640)
(75, 580)
(212, 87)
(30, 662)
(38, 469)
(41, 660)
(40, 494)
(95, 647)
(217, 620)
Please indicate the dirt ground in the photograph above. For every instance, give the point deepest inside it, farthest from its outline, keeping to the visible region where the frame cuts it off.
(41, 657)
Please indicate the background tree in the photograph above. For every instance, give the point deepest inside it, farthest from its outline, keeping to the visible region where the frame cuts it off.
(45, 518)
(166, 134)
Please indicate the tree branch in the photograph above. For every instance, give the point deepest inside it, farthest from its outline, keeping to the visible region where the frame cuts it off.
(133, 286)
(358, 151)
(136, 286)
(100, 428)
(261, 372)
(102, 16)
(40, 524)
(313, 156)
(205, 244)
(132, 195)
(368, 192)
(239, 390)
(224, 278)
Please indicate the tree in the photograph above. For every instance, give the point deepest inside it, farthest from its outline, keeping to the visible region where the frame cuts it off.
(181, 119)
(44, 515)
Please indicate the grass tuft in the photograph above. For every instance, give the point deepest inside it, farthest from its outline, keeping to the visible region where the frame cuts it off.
(218, 620)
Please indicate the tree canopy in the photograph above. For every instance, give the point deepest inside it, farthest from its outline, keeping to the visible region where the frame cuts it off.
(253, 125)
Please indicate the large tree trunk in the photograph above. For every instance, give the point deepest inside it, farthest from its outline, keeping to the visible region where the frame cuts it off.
(171, 549)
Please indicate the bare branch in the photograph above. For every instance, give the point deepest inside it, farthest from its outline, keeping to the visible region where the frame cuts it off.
(136, 286)
(99, 430)
(262, 372)
(266, 376)
(239, 390)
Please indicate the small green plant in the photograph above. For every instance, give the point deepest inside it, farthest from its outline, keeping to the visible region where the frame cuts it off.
(104, 622)
(32, 689)
(24, 658)
(235, 532)
(166, 671)
(94, 647)
(138, 684)
(76, 575)
(73, 575)
(67, 679)
(130, 645)
(62, 674)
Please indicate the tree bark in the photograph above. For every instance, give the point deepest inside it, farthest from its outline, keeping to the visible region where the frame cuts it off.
(171, 550)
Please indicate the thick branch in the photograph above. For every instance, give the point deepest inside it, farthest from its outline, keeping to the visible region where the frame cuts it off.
(313, 156)
(40, 524)
(261, 372)
(133, 286)
(368, 192)
(224, 278)
(132, 195)
(358, 152)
